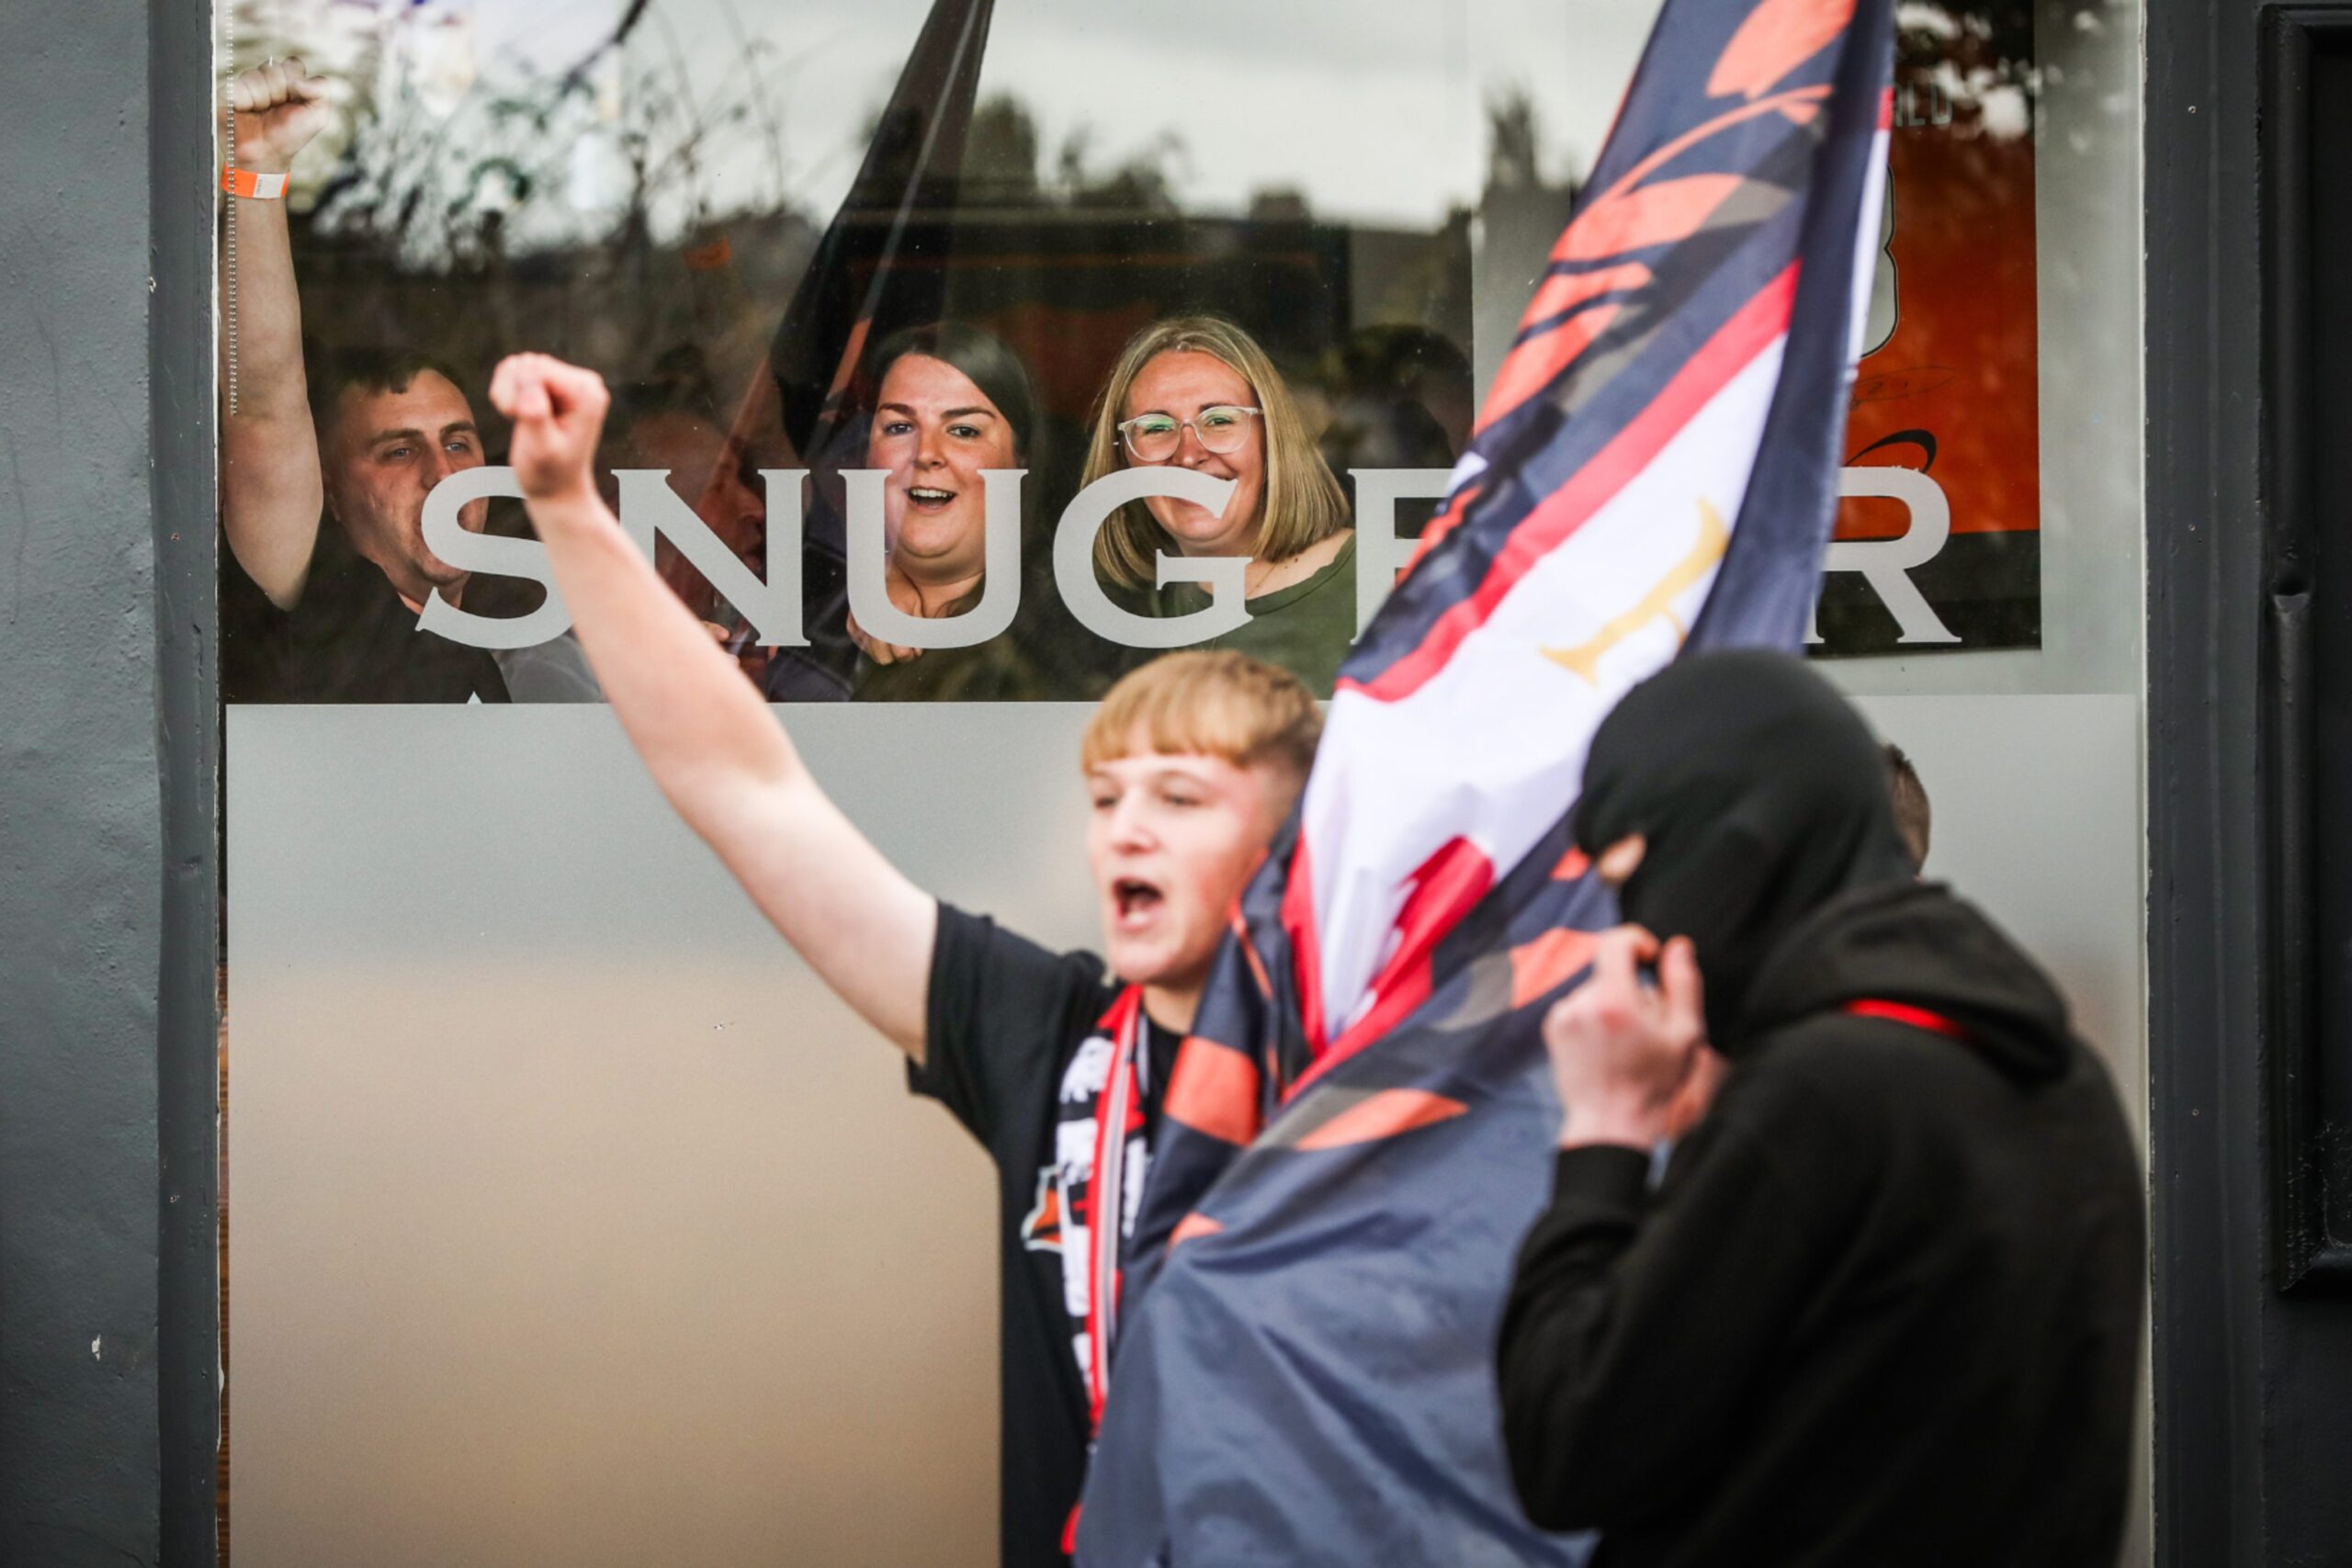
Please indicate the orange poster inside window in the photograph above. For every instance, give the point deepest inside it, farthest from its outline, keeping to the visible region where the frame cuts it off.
(1946, 388)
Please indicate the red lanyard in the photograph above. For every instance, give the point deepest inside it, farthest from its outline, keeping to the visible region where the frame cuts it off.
(1115, 1115)
(1904, 1012)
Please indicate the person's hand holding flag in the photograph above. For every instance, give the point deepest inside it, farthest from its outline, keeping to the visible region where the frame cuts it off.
(1623, 1051)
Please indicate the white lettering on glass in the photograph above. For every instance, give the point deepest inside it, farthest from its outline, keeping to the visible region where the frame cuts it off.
(651, 509)
(869, 593)
(1380, 554)
(1886, 564)
(492, 554)
(1074, 562)
(648, 506)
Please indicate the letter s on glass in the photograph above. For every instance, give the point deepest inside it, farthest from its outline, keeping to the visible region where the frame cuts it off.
(493, 553)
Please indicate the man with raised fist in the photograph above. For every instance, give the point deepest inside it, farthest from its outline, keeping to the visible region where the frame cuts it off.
(1057, 1066)
(311, 614)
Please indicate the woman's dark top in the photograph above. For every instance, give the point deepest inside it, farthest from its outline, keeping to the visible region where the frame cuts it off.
(1307, 629)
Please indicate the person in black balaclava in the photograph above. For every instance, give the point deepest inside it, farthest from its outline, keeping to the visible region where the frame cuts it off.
(1883, 1306)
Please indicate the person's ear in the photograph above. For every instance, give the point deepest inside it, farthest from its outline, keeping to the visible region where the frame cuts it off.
(1618, 862)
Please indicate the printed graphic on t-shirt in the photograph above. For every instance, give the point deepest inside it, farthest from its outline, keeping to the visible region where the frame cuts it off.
(1062, 1219)
(1041, 1227)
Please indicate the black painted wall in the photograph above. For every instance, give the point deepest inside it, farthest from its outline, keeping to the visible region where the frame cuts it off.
(107, 873)
(2253, 1382)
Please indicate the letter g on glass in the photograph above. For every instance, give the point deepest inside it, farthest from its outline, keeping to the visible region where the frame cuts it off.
(1227, 609)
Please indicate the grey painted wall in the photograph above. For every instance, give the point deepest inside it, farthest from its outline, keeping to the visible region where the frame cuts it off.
(95, 602)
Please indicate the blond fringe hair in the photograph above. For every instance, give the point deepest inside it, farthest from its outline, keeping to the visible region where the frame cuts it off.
(1210, 702)
(1302, 503)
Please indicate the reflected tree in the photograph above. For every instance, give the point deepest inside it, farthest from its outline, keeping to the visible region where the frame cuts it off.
(1514, 155)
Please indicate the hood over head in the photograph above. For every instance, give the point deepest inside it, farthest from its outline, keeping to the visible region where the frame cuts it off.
(1916, 946)
(1762, 796)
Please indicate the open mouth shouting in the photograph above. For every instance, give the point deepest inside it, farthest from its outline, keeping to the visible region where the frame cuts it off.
(1136, 902)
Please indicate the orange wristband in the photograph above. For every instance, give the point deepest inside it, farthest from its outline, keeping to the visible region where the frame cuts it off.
(246, 182)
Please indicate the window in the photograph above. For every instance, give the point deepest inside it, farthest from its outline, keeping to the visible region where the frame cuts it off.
(575, 1220)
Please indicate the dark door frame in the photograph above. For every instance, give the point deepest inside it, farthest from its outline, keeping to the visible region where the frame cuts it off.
(183, 179)
(2252, 1335)
(109, 1354)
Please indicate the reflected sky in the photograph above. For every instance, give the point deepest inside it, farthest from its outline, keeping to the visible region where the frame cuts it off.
(1374, 111)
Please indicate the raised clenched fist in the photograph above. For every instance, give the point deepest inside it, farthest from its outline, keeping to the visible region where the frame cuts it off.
(558, 412)
(278, 109)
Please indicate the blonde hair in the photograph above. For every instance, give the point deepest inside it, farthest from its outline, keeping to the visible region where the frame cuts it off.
(1302, 502)
(1212, 701)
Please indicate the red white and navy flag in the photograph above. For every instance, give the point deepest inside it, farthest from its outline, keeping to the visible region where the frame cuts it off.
(1357, 1134)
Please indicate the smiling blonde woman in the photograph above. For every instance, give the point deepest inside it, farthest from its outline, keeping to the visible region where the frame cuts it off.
(1198, 392)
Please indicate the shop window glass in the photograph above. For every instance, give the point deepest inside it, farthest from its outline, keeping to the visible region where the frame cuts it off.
(573, 1220)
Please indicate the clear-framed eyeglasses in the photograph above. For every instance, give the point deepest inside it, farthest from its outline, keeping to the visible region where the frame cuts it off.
(1154, 437)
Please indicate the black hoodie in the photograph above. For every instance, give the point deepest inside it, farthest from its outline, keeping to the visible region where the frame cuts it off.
(1885, 1306)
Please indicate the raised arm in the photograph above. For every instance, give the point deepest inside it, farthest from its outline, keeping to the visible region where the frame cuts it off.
(271, 490)
(711, 744)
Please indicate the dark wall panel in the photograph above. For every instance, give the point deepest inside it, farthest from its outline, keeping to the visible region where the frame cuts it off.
(2250, 603)
(84, 764)
(180, 392)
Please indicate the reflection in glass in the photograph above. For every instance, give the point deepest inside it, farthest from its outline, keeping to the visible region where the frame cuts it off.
(727, 209)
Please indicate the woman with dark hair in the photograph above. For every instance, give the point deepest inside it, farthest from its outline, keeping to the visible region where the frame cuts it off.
(1197, 392)
(950, 402)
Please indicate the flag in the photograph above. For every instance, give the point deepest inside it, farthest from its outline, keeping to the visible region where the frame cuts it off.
(879, 267)
(1358, 1134)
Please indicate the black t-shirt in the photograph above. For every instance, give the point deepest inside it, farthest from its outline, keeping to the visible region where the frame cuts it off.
(1015, 1047)
(349, 639)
